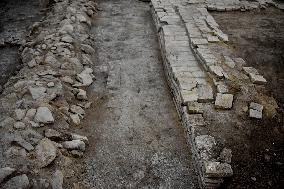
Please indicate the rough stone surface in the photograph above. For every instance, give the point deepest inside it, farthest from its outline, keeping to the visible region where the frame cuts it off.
(45, 152)
(57, 180)
(5, 172)
(74, 145)
(18, 182)
(224, 101)
(44, 115)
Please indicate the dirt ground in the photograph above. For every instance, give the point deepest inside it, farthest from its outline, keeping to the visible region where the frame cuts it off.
(258, 152)
(136, 140)
(16, 16)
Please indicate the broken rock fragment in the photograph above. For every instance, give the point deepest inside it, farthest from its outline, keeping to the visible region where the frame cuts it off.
(44, 115)
(255, 110)
(5, 172)
(45, 152)
(74, 145)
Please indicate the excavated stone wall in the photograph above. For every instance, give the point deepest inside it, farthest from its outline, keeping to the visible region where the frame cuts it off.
(203, 76)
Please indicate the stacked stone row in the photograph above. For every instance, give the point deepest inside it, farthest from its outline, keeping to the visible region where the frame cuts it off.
(191, 88)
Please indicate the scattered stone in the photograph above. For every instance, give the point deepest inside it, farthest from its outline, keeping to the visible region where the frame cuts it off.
(50, 84)
(255, 110)
(194, 108)
(87, 49)
(19, 125)
(75, 119)
(87, 105)
(250, 70)
(30, 113)
(229, 62)
(68, 28)
(77, 110)
(226, 155)
(67, 39)
(79, 137)
(34, 124)
(8, 121)
(218, 71)
(43, 46)
(15, 151)
(257, 79)
(44, 115)
(221, 87)
(82, 95)
(32, 63)
(74, 145)
(85, 78)
(23, 143)
(52, 134)
(57, 180)
(20, 114)
(5, 172)
(45, 152)
(18, 182)
(77, 154)
(217, 169)
(67, 79)
(224, 101)
(37, 92)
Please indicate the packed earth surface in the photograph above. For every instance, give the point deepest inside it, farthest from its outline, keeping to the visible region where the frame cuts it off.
(141, 94)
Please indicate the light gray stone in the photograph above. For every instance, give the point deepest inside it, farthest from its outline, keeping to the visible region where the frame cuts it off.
(44, 115)
(257, 79)
(74, 145)
(75, 118)
(255, 114)
(79, 137)
(224, 101)
(67, 79)
(37, 92)
(23, 143)
(57, 180)
(52, 134)
(50, 84)
(45, 152)
(218, 170)
(82, 95)
(5, 172)
(77, 110)
(20, 114)
(30, 114)
(19, 125)
(18, 182)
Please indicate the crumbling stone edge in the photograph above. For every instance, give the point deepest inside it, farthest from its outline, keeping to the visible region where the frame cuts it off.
(45, 102)
(212, 165)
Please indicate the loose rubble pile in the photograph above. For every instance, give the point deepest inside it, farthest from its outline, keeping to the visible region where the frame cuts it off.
(41, 105)
(201, 77)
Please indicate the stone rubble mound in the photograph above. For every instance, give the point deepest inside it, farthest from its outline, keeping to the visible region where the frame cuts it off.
(47, 99)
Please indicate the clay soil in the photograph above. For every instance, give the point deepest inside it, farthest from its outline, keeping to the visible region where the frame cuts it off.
(257, 37)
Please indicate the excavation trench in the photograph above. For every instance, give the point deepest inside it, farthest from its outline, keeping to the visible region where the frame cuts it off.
(136, 140)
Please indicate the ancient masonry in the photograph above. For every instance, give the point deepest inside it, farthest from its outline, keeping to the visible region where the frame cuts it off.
(41, 105)
(198, 77)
